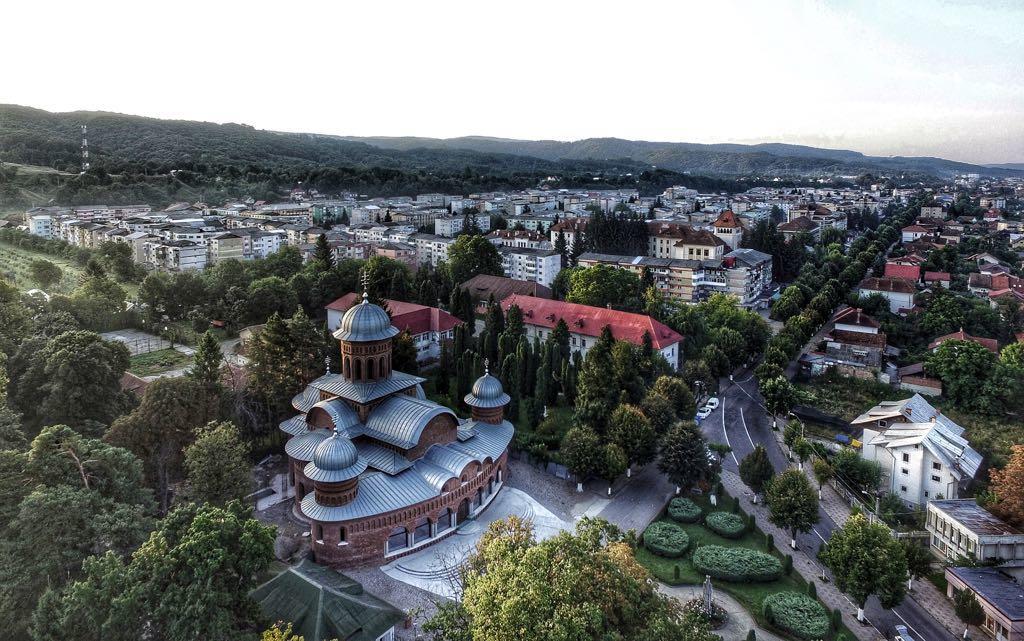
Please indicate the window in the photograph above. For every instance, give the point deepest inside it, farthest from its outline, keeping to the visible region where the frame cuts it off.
(936, 466)
(905, 471)
(903, 488)
(906, 457)
(935, 478)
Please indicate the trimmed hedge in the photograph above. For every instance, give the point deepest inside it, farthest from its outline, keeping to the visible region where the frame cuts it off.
(727, 524)
(798, 614)
(684, 510)
(738, 565)
(666, 539)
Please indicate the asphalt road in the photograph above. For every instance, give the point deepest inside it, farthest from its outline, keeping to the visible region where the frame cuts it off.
(741, 422)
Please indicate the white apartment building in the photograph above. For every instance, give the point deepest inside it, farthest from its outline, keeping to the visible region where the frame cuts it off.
(41, 225)
(175, 255)
(749, 274)
(962, 529)
(535, 265)
(430, 248)
(922, 453)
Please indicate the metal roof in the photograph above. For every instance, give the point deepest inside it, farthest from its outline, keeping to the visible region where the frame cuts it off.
(307, 398)
(995, 587)
(295, 425)
(400, 420)
(382, 458)
(975, 518)
(301, 447)
(337, 385)
(342, 416)
(380, 493)
(365, 322)
(487, 393)
(945, 444)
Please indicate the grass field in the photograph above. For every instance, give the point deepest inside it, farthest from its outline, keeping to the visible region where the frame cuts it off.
(750, 595)
(14, 267)
(158, 361)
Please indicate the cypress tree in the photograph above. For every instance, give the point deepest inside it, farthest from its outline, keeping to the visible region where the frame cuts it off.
(208, 359)
(323, 257)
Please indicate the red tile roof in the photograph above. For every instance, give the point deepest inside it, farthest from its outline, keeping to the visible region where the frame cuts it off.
(727, 219)
(855, 316)
(887, 284)
(990, 344)
(909, 272)
(589, 321)
(417, 319)
(936, 276)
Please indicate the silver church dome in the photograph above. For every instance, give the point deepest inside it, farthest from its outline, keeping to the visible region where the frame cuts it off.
(303, 446)
(365, 322)
(487, 392)
(335, 460)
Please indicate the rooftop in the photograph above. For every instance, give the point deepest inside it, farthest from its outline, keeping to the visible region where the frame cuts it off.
(995, 587)
(976, 518)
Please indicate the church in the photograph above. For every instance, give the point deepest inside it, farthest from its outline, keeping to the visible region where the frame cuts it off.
(378, 470)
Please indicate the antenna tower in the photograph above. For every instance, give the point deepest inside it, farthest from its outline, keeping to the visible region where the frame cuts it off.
(85, 148)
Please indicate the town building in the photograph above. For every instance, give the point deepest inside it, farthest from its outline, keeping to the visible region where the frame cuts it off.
(379, 471)
(538, 265)
(961, 529)
(675, 240)
(483, 287)
(898, 291)
(1000, 593)
(429, 327)
(226, 246)
(855, 344)
(990, 344)
(728, 228)
(748, 276)
(922, 453)
(800, 225)
(541, 316)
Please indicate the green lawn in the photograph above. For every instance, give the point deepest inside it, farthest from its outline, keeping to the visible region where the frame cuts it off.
(750, 595)
(15, 261)
(158, 361)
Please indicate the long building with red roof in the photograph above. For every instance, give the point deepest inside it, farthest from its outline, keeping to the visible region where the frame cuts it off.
(585, 323)
(428, 326)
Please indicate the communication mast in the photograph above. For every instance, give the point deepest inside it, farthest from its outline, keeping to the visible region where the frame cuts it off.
(85, 148)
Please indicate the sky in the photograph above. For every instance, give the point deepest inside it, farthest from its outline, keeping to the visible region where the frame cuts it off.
(907, 77)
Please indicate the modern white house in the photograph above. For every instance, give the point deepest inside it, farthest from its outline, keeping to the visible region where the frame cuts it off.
(922, 453)
(898, 291)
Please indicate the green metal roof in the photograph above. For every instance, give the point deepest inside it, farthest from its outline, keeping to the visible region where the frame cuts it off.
(323, 604)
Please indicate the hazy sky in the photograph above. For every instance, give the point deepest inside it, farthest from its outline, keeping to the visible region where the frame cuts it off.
(906, 77)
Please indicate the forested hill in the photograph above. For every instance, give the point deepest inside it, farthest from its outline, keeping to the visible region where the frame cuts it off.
(769, 159)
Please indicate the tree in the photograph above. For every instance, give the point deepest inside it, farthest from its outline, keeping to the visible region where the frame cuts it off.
(472, 255)
(190, 580)
(76, 376)
(676, 390)
(967, 609)
(823, 472)
(779, 395)
(580, 451)
(403, 353)
(803, 450)
(684, 457)
(278, 368)
(207, 361)
(659, 410)
(582, 585)
(217, 465)
(866, 560)
(44, 272)
(269, 296)
(1008, 488)
(963, 367)
(280, 632)
(919, 561)
(792, 503)
(597, 393)
(601, 286)
(756, 470)
(631, 430)
(323, 256)
(161, 427)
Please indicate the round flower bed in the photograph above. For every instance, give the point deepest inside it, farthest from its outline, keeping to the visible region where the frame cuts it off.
(684, 510)
(666, 539)
(738, 565)
(798, 614)
(727, 524)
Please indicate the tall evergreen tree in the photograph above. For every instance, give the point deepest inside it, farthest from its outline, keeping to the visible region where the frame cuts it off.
(597, 393)
(323, 256)
(207, 361)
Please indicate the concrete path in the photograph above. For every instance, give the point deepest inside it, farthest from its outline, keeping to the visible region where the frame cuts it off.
(435, 568)
(739, 623)
(638, 502)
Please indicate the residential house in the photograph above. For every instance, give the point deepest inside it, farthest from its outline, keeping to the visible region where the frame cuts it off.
(910, 233)
(913, 378)
(800, 225)
(898, 291)
(428, 326)
(855, 345)
(922, 452)
(941, 279)
(990, 344)
(401, 252)
(910, 273)
(540, 316)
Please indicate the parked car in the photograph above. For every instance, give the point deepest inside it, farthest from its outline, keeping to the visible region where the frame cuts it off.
(902, 634)
(703, 412)
(712, 403)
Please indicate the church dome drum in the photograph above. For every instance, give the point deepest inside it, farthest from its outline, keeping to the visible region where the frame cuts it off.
(487, 393)
(335, 460)
(365, 322)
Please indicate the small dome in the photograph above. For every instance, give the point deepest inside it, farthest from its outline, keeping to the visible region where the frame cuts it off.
(301, 447)
(365, 322)
(487, 392)
(335, 453)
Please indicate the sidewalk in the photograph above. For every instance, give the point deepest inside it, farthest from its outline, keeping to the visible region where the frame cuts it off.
(807, 566)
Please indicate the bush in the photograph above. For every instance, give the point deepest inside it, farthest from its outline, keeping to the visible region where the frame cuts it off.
(684, 510)
(666, 539)
(739, 565)
(798, 614)
(727, 524)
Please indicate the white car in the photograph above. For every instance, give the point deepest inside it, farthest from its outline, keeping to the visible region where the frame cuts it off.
(902, 634)
(703, 413)
(712, 403)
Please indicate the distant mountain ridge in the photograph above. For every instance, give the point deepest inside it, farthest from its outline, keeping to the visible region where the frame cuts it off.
(38, 137)
(716, 159)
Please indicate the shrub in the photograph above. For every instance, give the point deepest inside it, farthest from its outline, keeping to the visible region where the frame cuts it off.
(727, 524)
(684, 510)
(769, 542)
(666, 539)
(798, 614)
(837, 619)
(812, 590)
(751, 635)
(739, 565)
(787, 565)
